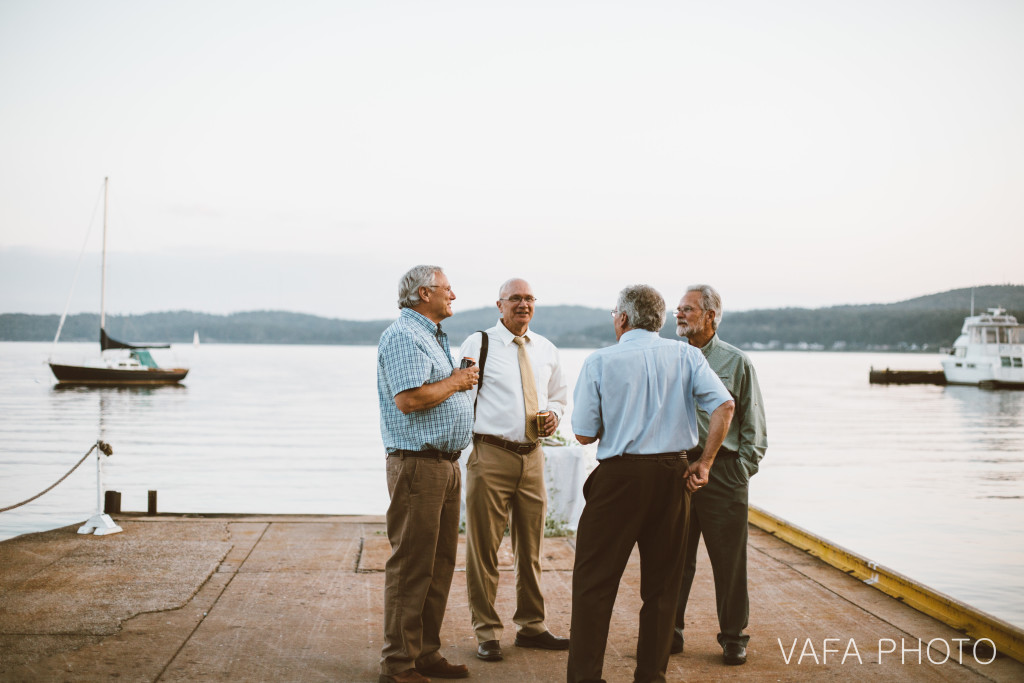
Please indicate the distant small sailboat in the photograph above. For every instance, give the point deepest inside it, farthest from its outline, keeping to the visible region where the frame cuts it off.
(195, 338)
(120, 363)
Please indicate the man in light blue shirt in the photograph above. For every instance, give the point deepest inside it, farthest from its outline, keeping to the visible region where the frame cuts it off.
(638, 400)
(426, 419)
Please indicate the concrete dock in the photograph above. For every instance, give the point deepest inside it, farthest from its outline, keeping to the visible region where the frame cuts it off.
(297, 598)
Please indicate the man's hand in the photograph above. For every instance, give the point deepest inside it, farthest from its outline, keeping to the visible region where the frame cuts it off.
(697, 475)
(550, 424)
(465, 379)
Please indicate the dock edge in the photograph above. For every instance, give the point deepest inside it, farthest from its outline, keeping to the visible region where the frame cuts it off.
(1008, 639)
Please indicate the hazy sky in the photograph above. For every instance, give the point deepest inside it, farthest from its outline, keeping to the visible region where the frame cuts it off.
(303, 155)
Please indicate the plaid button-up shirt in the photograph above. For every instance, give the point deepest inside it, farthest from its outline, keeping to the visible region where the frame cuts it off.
(413, 351)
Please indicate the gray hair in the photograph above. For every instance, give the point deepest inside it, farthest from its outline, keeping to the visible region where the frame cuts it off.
(409, 285)
(644, 307)
(710, 300)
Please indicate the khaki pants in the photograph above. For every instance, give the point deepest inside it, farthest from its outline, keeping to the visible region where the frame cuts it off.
(423, 528)
(504, 489)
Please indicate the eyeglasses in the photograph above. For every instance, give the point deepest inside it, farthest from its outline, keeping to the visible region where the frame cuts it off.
(685, 310)
(615, 312)
(516, 299)
(447, 289)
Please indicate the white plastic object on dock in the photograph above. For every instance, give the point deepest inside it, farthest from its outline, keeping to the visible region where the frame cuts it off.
(100, 524)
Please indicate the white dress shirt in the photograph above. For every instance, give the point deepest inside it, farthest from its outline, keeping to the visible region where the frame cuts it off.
(500, 410)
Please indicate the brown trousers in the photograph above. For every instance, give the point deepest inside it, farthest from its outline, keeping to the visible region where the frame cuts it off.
(423, 528)
(629, 502)
(504, 489)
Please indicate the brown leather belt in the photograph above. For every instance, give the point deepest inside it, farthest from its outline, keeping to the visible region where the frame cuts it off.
(429, 453)
(505, 444)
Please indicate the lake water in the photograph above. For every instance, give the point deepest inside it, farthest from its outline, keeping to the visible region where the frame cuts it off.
(926, 480)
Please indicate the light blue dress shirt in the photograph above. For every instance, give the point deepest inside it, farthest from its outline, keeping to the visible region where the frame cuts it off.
(640, 396)
(413, 351)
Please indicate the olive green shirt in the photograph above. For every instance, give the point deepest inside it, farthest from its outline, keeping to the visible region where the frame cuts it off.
(748, 434)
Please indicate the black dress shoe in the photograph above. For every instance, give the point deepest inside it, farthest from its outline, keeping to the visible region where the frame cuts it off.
(489, 651)
(544, 641)
(677, 644)
(734, 654)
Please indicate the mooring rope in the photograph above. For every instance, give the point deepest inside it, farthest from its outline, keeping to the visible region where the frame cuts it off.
(102, 445)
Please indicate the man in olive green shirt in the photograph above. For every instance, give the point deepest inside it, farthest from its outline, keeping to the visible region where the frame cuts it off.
(719, 509)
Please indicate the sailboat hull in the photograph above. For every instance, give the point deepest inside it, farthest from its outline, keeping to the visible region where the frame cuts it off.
(83, 374)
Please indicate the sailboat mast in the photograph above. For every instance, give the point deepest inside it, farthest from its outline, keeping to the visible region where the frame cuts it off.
(103, 276)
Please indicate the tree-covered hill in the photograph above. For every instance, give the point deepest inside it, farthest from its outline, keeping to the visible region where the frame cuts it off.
(931, 321)
(927, 322)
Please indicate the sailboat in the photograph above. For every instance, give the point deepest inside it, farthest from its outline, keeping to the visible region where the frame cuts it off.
(120, 363)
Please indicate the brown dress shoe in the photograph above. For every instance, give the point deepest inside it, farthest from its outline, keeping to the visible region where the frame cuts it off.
(407, 676)
(489, 651)
(443, 669)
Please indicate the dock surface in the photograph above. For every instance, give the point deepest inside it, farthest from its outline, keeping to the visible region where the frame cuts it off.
(300, 598)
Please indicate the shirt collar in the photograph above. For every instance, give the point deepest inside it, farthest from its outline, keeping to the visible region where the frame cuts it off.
(710, 346)
(636, 334)
(505, 334)
(423, 321)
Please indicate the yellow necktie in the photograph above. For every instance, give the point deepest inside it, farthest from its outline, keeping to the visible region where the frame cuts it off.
(529, 389)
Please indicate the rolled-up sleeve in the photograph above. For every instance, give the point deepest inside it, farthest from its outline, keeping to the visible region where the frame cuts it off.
(753, 427)
(405, 365)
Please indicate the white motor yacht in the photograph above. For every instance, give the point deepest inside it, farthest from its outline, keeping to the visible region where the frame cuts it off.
(988, 352)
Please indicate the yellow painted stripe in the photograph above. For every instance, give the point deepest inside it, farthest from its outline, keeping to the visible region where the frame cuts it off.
(1009, 639)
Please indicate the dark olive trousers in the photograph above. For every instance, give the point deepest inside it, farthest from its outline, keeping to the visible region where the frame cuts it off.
(719, 513)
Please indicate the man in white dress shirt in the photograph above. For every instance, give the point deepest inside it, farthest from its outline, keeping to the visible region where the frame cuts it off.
(521, 376)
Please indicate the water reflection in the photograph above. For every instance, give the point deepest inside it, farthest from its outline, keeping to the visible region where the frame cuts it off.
(1001, 403)
(125, 389)
(993, 421)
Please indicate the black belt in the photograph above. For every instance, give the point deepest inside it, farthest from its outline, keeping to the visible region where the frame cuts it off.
(429, 453)
(675, 455)
(505, 444)
(698, 451)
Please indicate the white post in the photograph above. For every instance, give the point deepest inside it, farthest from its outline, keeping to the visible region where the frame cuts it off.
(100, 524)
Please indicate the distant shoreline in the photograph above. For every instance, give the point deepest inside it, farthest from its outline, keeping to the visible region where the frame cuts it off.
(925, 324)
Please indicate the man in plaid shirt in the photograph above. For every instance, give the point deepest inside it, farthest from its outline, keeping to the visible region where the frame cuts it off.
(426, 419)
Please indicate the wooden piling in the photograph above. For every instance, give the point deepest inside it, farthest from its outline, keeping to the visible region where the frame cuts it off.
(112, 502)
